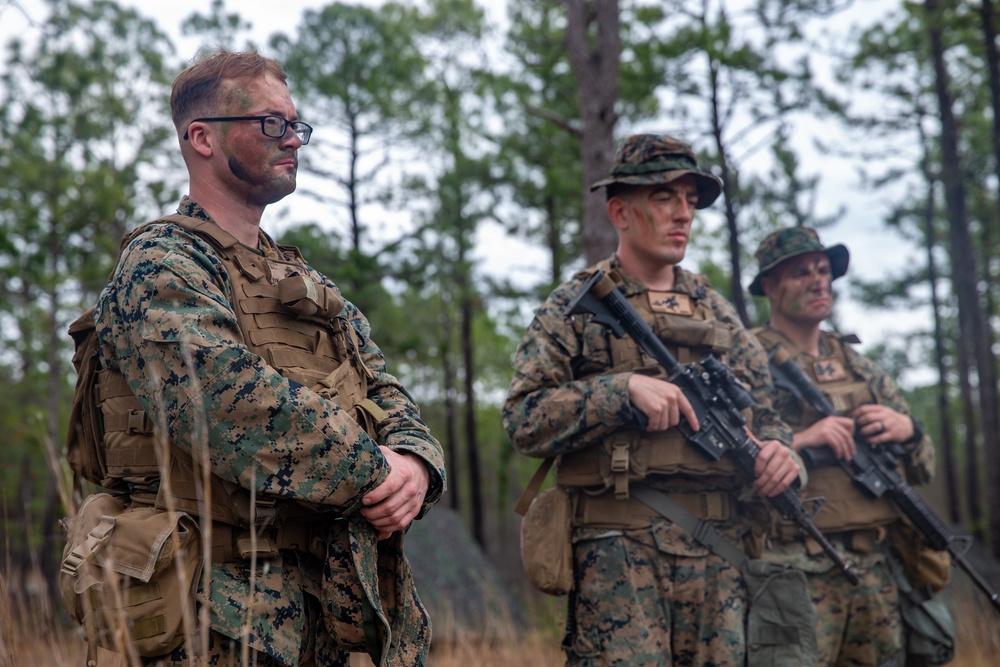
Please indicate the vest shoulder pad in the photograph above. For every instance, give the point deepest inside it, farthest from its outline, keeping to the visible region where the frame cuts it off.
(210, 231)
(849, 339)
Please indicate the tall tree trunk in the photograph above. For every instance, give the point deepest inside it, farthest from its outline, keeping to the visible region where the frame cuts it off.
(964, 271)
(55, 396)
(461, 227)
(553, 241)
(353, 205)
(595, 65)
(945, 444)
(24, 519)
(989, 22)
(730, 189)
(471, 436)
(352, 188)
(969, 413)
(450, 443)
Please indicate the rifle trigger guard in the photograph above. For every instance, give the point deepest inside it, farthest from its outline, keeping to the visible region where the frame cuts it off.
(817, 504)
(962, 545)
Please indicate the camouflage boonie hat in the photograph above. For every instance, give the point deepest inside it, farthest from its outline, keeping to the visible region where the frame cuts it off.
(791, 242)
(650, 159)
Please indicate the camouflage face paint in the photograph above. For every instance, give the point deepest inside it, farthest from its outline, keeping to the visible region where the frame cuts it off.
(645, 213)
(266, 164)
(241, 99)
(801, 287)
(239, 171)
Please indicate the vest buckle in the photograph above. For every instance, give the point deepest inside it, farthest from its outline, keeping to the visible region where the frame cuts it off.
(266, 546)
(138, 423)
(619, 468)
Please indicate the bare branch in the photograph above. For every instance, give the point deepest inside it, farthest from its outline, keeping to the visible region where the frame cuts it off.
(556, 119)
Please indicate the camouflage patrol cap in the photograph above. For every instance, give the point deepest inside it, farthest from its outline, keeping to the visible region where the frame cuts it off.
(651, 159)
(791, 242)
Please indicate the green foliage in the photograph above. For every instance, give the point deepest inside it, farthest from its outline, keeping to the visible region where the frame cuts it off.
(536, 157)
(218, 29)
(539, 147)
(70, 111)
(77, 136)
(357, 73)
(717, 277)
(82, 131)
(380, 76)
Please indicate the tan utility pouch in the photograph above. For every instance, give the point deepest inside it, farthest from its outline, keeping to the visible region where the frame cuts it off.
(547, 542)
(547, 535)
(922, 565)
(129, 576)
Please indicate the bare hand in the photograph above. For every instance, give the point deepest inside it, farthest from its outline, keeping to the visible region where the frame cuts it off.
(662, 402)
(774, 469)
(880, 424)
(836, 432)
(394, 503)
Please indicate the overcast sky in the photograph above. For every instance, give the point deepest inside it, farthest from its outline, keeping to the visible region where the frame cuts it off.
(874, 251)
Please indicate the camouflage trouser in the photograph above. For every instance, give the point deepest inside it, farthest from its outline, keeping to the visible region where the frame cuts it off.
(645, 597)
(859, 626)
(226, 652)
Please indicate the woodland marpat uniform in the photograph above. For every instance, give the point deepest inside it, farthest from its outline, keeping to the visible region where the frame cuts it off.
(649, 594)
(858, 624)
(167, 322)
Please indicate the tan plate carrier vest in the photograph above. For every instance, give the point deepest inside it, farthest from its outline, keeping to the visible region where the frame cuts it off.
(845, 506)
(689, 329)
(294, 324)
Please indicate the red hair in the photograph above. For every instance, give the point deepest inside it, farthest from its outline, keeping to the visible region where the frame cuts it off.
(200, 91)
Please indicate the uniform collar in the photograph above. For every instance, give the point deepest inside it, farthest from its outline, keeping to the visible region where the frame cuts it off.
(266, 245)
(693, 284)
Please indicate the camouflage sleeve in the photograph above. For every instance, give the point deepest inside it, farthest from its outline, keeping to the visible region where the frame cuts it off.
(403, 430)
(921, 462)
(166, 318)
(548, 411)
(748, 361)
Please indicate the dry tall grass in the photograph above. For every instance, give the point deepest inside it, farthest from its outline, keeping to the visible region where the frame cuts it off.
(32, 635)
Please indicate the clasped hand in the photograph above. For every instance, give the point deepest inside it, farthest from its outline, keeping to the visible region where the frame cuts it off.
(396, 502)
(877, 424)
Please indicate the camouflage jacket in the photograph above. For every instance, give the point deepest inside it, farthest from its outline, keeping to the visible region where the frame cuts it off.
(919, 466)
(165, 320)
(549, 411)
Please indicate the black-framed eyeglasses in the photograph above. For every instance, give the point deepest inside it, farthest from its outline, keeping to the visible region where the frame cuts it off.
(272, 126)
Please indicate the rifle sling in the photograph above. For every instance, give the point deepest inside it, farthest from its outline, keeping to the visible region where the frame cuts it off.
(531, 490)
(702, 531)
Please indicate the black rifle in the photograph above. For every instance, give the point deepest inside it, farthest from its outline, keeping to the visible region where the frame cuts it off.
(712, 391)
(873, 469)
